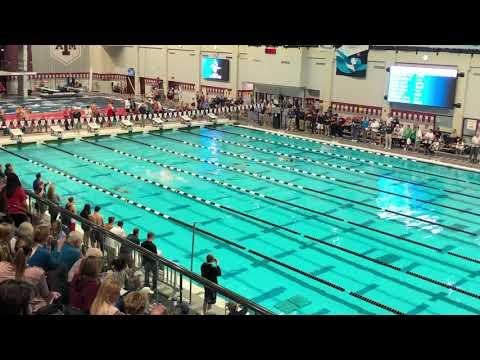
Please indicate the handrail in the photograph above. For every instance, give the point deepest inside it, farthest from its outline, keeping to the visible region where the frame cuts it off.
(159, 259)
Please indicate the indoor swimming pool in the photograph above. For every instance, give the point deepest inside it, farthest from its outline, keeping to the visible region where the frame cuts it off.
(299, 226)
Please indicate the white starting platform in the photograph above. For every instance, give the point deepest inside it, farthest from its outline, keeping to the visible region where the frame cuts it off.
(126, 124)
(16, 134)
(57, 131)
(157, 122)
(93, 127)
(186, 119)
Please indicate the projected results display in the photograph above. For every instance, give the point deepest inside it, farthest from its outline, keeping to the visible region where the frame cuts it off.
(419, 85)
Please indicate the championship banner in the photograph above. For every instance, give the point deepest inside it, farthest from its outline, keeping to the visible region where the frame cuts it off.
(352, 60)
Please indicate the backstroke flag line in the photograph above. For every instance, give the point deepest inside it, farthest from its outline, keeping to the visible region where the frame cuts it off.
(352, 60)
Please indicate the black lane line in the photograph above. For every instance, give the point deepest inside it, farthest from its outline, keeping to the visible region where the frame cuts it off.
(349, 169)
(158, 213)
(430, 247)
(217, 205)
(269, 179)
(368, 161)
(411, 273)
(334, 179)
(369, 151)
(322, 163)
(324, 178)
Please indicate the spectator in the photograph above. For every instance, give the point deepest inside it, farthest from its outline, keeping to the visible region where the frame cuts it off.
(16, 198)
(55, 198)
(17, 269)
(128, 105)
(428, 141)
(97, 219)
(88, 112)
(211, 271)
(8, 169)
(459, 146)
(474, 148)
(233, 309)
(126, 252)
(68, 252)
(107, 296)
(67, 221)
(41, 255)
(135, 303)
(418, 137)
(16, 297)
(85, 285)
(85, 213)
(39, 189)
(6, 234)
(91, 252)
(119, 231)
(25, 232)
(149, 263)
(109, 243)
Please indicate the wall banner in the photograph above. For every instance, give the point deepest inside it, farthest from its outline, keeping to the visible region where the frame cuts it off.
(352, 60)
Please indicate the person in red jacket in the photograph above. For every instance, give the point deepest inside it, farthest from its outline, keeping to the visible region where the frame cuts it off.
(110, 110)
(84, 286)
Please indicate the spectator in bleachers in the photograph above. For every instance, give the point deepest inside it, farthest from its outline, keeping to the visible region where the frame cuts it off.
(9, 169)
(85, 285)
(235, 310)
(148, 263)
(16, 197)
(16, 297)
(107, 296)
(17, 269)
(68, 252)
(427, 141)
(94, 252)
(25, 232)
(6, 234)
(55, 198)
(41, 253)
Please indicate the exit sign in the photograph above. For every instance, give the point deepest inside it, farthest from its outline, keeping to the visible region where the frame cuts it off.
(271, 51)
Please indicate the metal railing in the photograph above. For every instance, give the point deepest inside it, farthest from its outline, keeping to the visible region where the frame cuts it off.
(168, 272)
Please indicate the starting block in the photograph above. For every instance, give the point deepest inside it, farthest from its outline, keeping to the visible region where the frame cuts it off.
(93, 127)
(126, 124)
(186, 119)
(57, 131)
(17, 134)
(156, 122)
(212, 117)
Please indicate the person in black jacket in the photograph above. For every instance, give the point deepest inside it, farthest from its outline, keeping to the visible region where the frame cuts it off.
(149, 263)
(211, 271)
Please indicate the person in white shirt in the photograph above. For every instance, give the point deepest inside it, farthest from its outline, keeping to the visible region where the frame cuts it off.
(128, 106)
(474, 148)
(88, 112)
(418, 137)
(428, 141)
(119, 231)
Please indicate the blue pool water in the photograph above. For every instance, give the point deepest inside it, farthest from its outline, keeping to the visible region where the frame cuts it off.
(300, 227)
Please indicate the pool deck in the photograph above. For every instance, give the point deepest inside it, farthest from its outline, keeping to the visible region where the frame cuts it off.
(460, 162)
(72, 134)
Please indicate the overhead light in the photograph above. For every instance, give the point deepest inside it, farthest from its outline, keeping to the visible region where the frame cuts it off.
(425, 57)
(214, 47)
(180, 46)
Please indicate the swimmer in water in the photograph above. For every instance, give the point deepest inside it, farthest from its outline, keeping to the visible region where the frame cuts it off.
(121, 190)
(284, 158)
